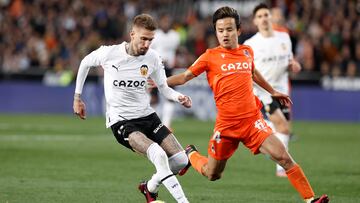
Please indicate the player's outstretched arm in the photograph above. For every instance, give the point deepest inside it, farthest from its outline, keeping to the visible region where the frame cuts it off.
(175, 80)
(180, 79)
(294, 66)
(282, 98)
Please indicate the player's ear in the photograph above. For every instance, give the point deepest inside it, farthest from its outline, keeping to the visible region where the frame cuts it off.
(239, 32)
(132, 33)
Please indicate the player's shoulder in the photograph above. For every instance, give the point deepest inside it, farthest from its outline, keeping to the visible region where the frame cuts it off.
(152, 53)
(252, 39)
(214, 50)
(245, 46)
(105, 49)
(153, 56)
(246, 49)
(281, 34)
(111, 47)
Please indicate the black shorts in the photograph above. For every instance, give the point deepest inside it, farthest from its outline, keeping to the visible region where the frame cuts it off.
(151, 126)
(275, 104)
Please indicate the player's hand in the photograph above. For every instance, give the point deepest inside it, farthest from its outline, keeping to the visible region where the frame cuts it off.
(185, 101)
(284, 99)
(294, 66)
(79, 108)
(150, 84)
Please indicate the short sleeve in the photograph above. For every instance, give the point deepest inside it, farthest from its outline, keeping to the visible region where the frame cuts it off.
(200, 65)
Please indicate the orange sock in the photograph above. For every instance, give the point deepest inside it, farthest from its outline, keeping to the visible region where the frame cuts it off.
(298, 179)
(198, 161)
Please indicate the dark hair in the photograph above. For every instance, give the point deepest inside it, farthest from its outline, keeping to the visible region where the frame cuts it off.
(225, 12)
(258, 7)
(145, 21)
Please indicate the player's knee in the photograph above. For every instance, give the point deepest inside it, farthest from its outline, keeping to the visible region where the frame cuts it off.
(284, 128)
(159, 158)
(178, 161)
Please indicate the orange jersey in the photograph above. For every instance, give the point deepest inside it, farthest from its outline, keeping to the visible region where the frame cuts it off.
(229, 74)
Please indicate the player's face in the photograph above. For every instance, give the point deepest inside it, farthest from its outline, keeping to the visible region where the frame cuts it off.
(226, 33)
(262, 19)
(141, 39)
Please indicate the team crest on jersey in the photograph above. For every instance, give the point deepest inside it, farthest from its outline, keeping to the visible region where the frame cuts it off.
(144, 70)
(283, 46)
(247, 54)
(222, 55)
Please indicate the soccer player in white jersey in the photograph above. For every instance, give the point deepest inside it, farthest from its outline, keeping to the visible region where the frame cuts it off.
(133, 121)
(166, 42)
(274, 59)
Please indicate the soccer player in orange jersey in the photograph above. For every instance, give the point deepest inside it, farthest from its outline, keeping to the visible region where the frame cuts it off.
(230, 73)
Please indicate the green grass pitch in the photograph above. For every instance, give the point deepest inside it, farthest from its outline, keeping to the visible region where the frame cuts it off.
(47, 158)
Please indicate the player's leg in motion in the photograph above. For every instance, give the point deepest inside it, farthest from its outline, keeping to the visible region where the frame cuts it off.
(282, 133)
(273, 147)
(143, 145)
(177, 156)
(207, 166)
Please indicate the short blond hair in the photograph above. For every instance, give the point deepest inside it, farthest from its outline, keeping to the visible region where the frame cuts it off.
(145, 21)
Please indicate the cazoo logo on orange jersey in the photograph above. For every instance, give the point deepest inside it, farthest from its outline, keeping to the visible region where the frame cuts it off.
(236, 66)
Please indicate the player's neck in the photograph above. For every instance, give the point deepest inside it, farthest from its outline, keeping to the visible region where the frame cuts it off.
(267, 33)
(129, 49)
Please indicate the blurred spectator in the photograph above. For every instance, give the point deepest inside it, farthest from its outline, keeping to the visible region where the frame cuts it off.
(351, 69)
(305, 53)
(325, 68)
(35, 34)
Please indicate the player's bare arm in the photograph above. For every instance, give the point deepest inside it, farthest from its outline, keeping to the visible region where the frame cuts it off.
(79, 107)
(259, 79)
(294, 66)
(175, 80)
(180, 79)
(182, 99)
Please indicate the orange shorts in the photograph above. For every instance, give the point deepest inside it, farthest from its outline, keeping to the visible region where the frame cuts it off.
(251, 131)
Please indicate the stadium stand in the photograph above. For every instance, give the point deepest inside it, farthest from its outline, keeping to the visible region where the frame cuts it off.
(41, 35)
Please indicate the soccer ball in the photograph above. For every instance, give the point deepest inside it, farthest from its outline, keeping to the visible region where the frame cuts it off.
(157, 201)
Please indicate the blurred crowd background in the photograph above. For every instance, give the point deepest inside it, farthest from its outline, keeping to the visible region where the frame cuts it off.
(52, 36)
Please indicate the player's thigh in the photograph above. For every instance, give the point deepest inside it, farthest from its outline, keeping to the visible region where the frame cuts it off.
(286, 111)
(139, 142)
(274, 148)
(214, 166)
(171, 145)
(279, 120)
